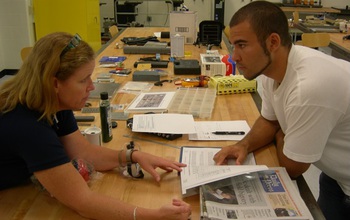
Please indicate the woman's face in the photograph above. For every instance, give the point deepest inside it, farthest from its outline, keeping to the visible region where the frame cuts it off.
(74, 92)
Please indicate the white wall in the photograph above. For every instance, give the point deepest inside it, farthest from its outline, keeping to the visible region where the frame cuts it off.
(158, 11)
(335, 3)
(16, 31)
(231, 6)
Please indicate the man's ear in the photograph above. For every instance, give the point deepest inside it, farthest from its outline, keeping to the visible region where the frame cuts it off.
(273, 42)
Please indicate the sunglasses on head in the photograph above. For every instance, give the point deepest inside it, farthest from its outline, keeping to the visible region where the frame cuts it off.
(73, 43)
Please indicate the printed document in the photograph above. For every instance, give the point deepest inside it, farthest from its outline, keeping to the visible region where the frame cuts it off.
(164, 123)
(201, 168)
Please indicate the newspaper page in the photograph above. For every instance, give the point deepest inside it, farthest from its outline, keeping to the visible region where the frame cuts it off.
(268, 194)
(201, 168)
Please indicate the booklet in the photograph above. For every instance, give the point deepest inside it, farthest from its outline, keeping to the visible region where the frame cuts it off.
(150, 102)
(201, 168)
(262, 195)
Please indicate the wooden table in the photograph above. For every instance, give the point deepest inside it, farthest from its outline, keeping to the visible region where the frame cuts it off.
(309, 10)
(26, 202)
(314, 10)
(340, 48)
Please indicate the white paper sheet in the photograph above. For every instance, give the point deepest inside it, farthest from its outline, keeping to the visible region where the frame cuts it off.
(164, 123)
(204, 130)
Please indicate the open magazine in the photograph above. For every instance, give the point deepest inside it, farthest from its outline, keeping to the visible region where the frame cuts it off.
(201, 168)
(267, 194)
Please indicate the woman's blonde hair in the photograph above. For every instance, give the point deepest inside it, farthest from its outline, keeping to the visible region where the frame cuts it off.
(33, 85)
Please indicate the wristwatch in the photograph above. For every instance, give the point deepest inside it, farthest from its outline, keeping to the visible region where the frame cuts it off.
(128, 155)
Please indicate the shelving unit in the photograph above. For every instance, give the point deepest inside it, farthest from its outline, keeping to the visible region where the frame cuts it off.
(126, 11)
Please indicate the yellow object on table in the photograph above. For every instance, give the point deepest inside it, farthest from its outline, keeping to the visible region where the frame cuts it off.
(232, 84)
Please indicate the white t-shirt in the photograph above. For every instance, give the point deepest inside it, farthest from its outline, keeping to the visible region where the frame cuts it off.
(312, 106)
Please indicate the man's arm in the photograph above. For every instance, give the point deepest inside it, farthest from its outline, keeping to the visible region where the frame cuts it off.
(262, 133)
(293, 168)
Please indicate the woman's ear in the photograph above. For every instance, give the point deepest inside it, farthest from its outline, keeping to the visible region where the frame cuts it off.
(55, 84)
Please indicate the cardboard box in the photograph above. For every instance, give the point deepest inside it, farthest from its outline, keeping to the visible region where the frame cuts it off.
(211, 65)
(184, 23)
(232, 84)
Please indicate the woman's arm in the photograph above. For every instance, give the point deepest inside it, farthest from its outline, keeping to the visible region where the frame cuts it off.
(77, 146)
(105, 159)
(66, 184)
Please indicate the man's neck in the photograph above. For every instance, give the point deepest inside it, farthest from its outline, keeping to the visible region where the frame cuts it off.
(278, 67)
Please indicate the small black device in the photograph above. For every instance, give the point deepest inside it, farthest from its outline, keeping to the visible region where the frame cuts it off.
(138, 40)
(154, 64)
(346, 37)
(187, 67)
(165, 34)
(170, 137)
(145, 75)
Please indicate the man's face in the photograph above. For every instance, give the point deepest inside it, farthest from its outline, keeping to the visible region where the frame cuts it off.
(251, 59)
(74, 92)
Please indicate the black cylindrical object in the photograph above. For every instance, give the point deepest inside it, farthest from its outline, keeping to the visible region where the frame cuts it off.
(105, 117)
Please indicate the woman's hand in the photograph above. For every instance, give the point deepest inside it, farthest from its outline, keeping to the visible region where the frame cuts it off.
(150, 162)
(178, 210)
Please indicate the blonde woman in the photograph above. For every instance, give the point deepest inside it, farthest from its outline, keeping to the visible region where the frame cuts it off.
(40, 136)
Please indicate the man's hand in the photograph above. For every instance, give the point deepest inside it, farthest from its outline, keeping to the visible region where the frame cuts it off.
(237, 151)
